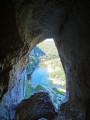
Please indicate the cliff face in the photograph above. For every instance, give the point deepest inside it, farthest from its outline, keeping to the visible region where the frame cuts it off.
(25, 23)
(74, 51)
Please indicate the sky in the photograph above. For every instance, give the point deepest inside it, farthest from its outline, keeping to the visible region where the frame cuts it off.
(50, 39)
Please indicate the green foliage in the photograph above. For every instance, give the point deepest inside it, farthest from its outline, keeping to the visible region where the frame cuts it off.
(48, 92)
(59, 91)
(29, 67)
(32, 62)
(34, 58)
(55, 98)
(28, 89)
(49, 49)
(57, 71)
(38, 87)
(55, 74)
(60, 100)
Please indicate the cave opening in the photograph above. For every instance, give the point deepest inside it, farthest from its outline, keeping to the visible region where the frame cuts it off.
(44, 72)
(25, 23)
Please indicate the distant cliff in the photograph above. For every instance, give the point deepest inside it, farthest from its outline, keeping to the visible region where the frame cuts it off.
(34, 59)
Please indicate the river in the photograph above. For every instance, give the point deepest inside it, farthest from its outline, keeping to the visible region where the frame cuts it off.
(40, 75)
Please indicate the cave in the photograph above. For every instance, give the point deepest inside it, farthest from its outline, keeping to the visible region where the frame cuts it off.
(24, 24)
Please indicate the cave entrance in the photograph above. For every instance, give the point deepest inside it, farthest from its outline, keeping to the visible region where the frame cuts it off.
(45, 72)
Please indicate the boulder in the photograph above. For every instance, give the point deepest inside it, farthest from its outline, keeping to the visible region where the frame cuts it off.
(35, 107)
(71, 110)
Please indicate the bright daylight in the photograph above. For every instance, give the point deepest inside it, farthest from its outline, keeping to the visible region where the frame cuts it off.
(45, 72)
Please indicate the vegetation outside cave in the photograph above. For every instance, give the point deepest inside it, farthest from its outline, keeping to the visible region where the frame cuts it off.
(46, 54)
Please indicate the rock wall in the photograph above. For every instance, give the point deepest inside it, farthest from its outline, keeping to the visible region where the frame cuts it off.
(15, 92)
(74, 50)
(25, 23)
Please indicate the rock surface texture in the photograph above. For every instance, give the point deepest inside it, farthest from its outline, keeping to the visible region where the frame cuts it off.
(24, 24)
(37, 106)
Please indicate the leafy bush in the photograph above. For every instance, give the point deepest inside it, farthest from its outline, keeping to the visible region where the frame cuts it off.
(48, 92)
(34, 58)
(28, 89)
(38, 87)
(55, 98)
(59, 91)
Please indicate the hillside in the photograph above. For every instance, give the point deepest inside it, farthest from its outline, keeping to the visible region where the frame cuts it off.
(53, 62)
(49, 48)
(34, 58)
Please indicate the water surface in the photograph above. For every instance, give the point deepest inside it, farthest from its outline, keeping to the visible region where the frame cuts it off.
(40, 76)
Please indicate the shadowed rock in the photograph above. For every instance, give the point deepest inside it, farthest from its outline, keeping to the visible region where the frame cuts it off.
(37, 106)
(71, 110)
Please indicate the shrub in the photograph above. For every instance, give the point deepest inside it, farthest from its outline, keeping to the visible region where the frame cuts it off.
(38, 87)
(59, 91)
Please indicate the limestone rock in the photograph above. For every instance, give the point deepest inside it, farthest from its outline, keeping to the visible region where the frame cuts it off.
(70, 110)
(37, 106)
